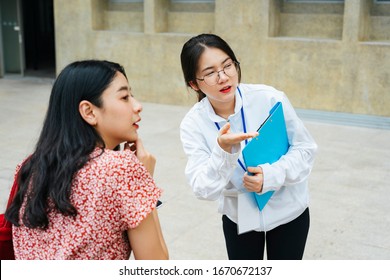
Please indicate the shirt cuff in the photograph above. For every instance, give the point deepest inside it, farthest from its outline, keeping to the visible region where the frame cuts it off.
(270, 183)
(228, 158)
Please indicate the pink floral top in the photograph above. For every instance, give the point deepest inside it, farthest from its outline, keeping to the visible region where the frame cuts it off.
(112, 193)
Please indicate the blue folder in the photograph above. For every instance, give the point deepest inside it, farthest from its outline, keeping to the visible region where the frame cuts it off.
(268, 146)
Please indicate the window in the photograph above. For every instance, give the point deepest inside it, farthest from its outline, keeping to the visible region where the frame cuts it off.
(126, 1)
(192, 1)
(313, 1)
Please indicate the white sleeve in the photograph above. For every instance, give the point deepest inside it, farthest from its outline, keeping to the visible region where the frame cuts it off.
(208, 170)
(295, 166)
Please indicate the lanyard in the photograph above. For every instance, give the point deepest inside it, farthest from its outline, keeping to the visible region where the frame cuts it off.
(243, 125)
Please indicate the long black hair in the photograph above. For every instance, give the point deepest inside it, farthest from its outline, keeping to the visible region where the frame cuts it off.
(193, 49)
(64, 145)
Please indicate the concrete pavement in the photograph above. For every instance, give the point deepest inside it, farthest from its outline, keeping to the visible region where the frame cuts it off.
(350, 200)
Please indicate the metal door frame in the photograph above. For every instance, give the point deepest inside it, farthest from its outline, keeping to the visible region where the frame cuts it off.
(19, 19)
(1, 48)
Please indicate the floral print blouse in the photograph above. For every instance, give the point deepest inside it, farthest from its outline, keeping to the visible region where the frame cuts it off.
(112, 193)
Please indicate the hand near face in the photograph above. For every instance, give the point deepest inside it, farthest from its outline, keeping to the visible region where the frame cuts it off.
(227, 140)
(142, 154)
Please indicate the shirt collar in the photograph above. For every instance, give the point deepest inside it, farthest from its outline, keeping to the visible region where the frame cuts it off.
(214, 117)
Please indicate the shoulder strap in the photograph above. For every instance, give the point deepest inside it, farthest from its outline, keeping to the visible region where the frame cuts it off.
(14, 188)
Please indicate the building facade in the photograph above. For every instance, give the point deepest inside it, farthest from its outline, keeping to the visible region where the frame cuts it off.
(325, 55)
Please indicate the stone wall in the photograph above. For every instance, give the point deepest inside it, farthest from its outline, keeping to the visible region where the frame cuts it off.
(324, 56)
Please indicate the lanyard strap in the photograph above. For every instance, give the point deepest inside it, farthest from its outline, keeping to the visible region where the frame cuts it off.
(243, 125)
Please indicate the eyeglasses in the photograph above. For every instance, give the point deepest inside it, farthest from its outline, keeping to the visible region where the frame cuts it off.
(229, 70)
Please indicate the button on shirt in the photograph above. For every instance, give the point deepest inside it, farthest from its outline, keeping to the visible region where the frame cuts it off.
(215, 174)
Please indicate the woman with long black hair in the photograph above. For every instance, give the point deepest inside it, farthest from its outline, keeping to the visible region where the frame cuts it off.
(79, 196)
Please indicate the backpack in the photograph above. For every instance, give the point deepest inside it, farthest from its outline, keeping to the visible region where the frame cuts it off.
(6, 245)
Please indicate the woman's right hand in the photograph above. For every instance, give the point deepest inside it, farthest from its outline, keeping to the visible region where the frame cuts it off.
(148, 160)
(226, 139)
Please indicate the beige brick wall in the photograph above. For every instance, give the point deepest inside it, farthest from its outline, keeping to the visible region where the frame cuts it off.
(333, 57)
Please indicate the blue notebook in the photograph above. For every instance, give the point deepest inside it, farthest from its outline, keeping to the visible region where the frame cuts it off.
(268, 147)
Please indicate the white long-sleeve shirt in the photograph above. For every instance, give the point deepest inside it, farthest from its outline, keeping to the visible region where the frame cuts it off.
(215, 174)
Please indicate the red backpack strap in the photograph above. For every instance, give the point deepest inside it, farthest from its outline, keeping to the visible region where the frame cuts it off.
(14, 188)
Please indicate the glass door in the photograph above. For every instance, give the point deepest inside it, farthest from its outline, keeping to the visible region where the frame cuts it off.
(12, 37)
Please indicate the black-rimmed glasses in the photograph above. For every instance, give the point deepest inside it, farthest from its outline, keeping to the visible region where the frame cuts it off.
(229, 70)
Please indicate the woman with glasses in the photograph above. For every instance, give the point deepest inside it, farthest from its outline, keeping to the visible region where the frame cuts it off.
(213, 134)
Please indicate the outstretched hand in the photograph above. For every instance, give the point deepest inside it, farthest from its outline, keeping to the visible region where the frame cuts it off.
(227, 140)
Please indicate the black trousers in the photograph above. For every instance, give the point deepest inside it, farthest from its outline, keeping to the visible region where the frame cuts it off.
(285, 242)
